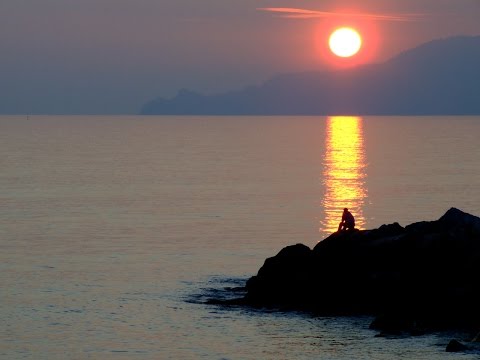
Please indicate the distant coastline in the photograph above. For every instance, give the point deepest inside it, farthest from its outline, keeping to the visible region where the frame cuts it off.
(441, 77)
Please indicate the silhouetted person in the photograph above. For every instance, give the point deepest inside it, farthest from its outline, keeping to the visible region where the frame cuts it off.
(348, 221)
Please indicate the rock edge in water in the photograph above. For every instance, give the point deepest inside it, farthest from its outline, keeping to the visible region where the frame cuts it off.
(414, 278)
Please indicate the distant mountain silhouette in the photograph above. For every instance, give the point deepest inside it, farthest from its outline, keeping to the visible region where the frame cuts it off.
(439, 77)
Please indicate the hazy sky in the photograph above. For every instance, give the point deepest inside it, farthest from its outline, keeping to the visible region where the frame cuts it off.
(111, 56)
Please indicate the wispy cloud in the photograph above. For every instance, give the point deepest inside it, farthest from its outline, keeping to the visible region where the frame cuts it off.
(296, 13)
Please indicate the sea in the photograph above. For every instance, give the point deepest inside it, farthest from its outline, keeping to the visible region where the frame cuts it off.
(115, 231)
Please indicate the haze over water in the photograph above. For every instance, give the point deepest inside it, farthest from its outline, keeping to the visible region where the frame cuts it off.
(114, 230)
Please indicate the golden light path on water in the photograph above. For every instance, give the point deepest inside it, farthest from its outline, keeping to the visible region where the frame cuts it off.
(344, 172)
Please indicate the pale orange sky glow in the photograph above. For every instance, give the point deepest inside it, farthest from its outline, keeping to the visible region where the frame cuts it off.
(369, 25)
(295, 13)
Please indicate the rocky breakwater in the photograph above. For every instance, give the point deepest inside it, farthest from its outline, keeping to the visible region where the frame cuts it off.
(416, 278)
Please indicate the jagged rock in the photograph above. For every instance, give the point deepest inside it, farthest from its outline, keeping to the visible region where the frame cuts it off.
(427, 271)
(460, 220)
(456, 346)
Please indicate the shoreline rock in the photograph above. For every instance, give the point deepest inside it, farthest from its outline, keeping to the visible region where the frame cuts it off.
(456, 346)
(417, 278)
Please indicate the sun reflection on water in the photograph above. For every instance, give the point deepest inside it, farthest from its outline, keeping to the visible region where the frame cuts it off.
(344, 172)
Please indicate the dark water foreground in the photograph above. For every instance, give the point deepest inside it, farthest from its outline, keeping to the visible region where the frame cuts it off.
(414, 279)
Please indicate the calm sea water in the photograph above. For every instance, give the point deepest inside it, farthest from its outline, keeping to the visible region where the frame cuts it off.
(114, 230)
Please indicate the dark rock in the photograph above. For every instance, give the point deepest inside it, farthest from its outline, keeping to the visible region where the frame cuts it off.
(388, 230)
(396, 324)
(426, 272)
(425, 227)
(283, 279)
(456, 346)
(458, 219)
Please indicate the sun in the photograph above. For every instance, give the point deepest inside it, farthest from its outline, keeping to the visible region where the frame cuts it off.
(345, 42)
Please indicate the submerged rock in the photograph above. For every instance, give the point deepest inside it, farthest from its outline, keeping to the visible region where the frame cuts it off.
(424, 274)
(476, 339)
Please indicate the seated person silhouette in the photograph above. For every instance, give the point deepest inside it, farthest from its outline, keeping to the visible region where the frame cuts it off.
(348, 221)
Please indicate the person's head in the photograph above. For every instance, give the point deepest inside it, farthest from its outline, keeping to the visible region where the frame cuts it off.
(345, 210)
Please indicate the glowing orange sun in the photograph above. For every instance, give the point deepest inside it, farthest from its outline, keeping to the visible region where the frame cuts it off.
(345, 42)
